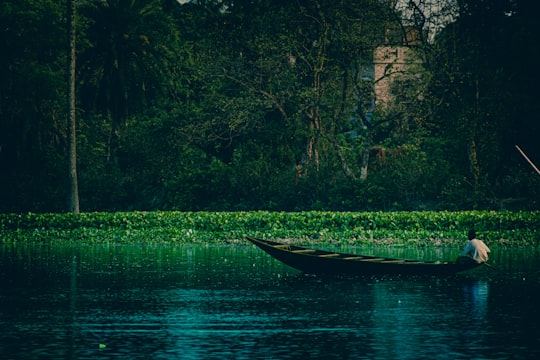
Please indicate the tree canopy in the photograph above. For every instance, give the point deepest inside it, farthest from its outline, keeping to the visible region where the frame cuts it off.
(257, 104)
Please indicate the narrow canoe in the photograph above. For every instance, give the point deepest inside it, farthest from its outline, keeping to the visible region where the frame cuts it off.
(329, 262)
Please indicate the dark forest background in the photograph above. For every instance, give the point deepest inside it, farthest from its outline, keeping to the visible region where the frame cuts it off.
(268, 104)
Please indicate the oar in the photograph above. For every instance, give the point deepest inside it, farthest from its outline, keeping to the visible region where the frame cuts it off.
(491, 266)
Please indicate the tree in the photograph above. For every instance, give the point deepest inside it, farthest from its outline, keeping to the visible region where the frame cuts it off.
(480, 93)
(126, 61)
(74, 187)
(302, 63)
(33, 155)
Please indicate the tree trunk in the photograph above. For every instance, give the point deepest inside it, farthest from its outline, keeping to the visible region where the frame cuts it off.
(364, 161)
(73, 204)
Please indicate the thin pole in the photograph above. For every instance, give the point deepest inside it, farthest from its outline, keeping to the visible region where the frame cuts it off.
(529, 160)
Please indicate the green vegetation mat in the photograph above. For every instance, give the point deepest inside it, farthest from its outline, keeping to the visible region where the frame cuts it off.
(513, 229)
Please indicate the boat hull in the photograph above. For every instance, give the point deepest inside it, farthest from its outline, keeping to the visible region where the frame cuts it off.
(327, 262)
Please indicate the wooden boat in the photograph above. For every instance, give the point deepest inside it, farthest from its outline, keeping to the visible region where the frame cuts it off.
(329, 262)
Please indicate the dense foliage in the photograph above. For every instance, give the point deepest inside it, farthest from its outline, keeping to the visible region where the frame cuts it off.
(514, 229)
(236, 105)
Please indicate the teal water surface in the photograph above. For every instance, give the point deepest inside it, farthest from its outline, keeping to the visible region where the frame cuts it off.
(235, 302)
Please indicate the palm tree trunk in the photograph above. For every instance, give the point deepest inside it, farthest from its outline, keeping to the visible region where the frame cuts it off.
(74, 187)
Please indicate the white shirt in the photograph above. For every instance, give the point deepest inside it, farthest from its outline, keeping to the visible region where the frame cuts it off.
(477, 250)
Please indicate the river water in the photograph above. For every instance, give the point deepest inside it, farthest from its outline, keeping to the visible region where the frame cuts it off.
(235, 302)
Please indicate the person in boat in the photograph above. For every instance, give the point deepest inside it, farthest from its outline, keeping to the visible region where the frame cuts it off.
(476, 249)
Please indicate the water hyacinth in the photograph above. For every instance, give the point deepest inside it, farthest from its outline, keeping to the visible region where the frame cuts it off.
(419, 229)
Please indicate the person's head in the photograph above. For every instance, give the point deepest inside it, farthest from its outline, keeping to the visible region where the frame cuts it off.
(472, 234)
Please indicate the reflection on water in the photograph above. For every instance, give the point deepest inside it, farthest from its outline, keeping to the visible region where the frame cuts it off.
(235, 302)
(476, 294)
